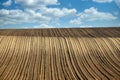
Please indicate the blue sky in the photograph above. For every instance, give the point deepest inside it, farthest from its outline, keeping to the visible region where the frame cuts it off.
(59, 13)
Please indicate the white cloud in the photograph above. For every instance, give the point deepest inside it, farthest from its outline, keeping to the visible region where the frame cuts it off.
(86, 26)
(18, 16)
(75, 21)
(35, 11)
(118, 3)
(32, 16)
(36, 4)
(40, 26)
(44, 26)
(7, 3)
(56, 12)
(103, 1)
(108, 1)
(92, 14)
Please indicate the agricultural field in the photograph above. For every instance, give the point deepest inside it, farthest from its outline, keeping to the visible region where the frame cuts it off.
(60, 54)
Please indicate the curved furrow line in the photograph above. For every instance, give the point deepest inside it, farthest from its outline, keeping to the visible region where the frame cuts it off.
(23, 60)
(85, 52)
(107, 56)
(18, 62)
(115, 44)
(42, 76)
(92, 55)
(47, 65)
(86, 58)
(5, 48)
(110, 56)
(72, 73)
(37, 63)
(60, 54)
(102, 59)
(97, 60)
(80, 70)
(90, 63)
(64, 63)
(9, 59)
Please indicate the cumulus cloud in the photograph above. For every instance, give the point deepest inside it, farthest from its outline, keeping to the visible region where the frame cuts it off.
(86, 26)
(35, 4)
(102, 1)
(118, 3)
(76, 21)
(19, 16)
(39, 26)
(108, 1)
(56, 12)
(35, 11)
(31, 16)
(44, 26)
(7, 3)
(92, 14)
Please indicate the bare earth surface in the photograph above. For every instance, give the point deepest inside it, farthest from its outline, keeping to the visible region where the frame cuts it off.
(60, 54)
